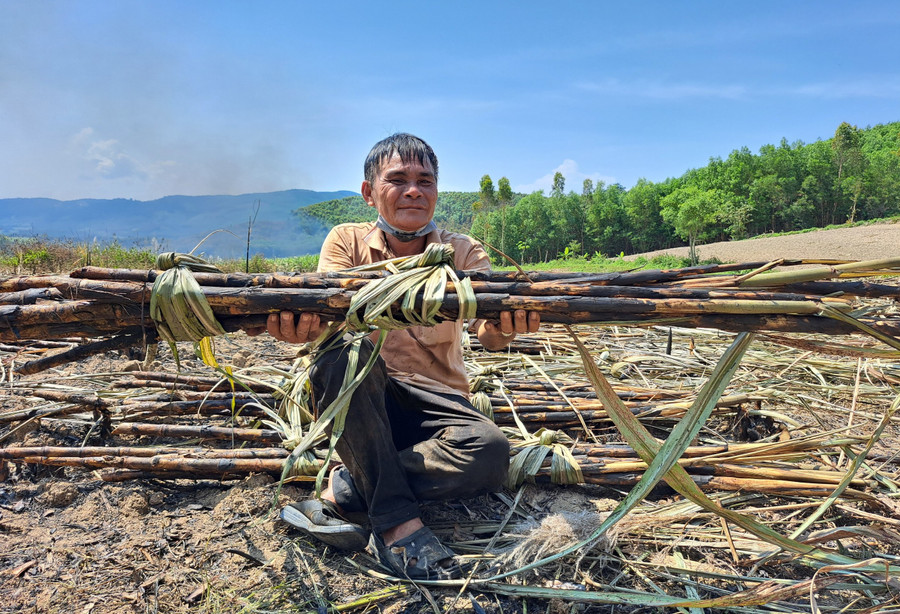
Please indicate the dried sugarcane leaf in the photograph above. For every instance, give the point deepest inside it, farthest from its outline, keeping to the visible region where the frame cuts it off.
(525, 465)
(647, 447)
(564, 469)
(850, 473)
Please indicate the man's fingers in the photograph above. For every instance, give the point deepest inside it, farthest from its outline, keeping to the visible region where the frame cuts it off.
(273, 325)
(307, 325)
(519, 322)
(506, 323)
(520, 318)
(286, 326)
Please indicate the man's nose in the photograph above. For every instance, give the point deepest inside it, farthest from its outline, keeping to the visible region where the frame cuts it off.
(412, 190)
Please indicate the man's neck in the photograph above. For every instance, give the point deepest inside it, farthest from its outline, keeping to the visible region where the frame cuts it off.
(405, 248)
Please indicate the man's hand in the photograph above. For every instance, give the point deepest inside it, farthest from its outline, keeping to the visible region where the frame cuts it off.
(292, 328)
(496, 335)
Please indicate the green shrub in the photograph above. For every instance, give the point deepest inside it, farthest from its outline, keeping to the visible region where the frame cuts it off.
(297, 264)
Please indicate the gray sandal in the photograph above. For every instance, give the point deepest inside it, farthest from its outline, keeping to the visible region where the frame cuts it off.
(420, 556)
(321, 520)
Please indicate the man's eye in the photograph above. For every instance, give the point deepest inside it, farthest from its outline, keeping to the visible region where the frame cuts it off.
(426, 182)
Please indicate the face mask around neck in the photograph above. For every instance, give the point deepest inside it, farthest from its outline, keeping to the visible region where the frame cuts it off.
(404, 235)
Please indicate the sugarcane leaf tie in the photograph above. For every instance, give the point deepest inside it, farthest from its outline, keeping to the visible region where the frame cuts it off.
(427, 274)
(484, 382)
(533, 450)
(179, 308)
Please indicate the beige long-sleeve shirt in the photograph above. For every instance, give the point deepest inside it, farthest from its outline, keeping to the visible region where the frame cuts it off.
(428, 357)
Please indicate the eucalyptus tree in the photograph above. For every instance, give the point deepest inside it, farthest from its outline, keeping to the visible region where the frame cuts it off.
(691, 210)
(851, 164)
(504, 199)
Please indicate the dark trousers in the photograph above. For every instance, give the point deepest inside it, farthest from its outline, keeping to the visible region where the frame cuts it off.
(401, 444)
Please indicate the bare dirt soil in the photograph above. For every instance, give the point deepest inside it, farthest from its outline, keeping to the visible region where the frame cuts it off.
(858, 243)
(75, 543)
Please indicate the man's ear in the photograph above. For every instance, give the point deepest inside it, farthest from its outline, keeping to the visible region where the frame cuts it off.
(366, 191)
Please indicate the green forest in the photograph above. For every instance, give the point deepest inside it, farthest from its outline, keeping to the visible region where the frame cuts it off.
(854, 176)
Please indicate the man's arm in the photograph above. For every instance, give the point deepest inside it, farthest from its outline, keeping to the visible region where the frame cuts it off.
(497, 334)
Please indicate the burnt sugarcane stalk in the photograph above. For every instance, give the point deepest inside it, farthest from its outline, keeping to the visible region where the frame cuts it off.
(92, 329)
(199, 395)
(100, 307)
(124, 475)
(180, 381)
(136, 293)
(164, 462)
(244, 406)
(727, 484)
(30, 296)
(335, 303)
(11, 331)
(197, 432)
(701, 465)
(75, 404)
(45, 452)
(89, 349)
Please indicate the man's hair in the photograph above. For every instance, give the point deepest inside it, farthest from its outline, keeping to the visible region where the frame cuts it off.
(407, 146)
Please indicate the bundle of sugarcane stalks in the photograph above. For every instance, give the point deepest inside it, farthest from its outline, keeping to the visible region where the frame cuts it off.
(100, 303)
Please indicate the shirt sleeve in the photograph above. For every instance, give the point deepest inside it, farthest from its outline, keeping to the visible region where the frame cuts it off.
(335, 253)
(475, 258)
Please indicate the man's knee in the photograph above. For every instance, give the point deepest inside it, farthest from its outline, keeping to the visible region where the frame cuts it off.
(494, 457)
(488, 461)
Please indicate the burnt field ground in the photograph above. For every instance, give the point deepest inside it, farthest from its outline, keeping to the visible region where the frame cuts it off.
(92, 539)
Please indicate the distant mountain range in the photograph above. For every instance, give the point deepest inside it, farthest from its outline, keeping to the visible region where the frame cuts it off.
(178, 223)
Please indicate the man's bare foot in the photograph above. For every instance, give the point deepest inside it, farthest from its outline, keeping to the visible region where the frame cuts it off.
(402, 530)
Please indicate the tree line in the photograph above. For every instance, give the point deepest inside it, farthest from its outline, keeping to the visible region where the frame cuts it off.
(790, 186)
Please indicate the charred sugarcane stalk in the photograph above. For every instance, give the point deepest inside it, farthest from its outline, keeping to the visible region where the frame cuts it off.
(137, 451)
(179, 381)
(198, 432)
(246, 308)
(89, 349)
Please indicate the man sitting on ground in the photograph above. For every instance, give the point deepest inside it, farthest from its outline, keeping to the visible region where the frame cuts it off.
(411, 433)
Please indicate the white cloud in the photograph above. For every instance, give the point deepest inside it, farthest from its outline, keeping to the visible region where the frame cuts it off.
(108, 159)
(113, 163)
(574, 179)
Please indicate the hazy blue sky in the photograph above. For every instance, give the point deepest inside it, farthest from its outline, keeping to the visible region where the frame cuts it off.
(144, 99)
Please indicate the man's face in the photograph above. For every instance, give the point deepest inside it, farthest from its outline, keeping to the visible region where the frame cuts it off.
(404, 193)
